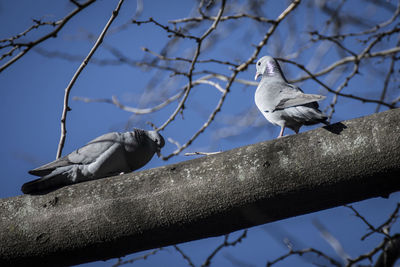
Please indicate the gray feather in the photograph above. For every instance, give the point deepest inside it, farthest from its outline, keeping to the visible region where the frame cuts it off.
(298, 100)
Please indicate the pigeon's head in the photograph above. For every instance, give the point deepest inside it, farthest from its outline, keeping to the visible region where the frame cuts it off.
(157, 139)
(267, 66)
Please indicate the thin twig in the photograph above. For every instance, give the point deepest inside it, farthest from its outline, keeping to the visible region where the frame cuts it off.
(141, 111)
(226, 243)
(373, 29)
(387, 80)
(142, 257)
(368, 255)
(271, 30)
(189, 75)
(349, 59)
(76, 75)
(385, 225)
(162, 57)
(30, 45)
(202, 153)
(370, 226)
(304, 251)
(137, 111)
(312, 76)
(166, 28)
(224, 18)
(186, 257)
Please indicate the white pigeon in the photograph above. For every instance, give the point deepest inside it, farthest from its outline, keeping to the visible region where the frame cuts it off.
(284, 104)
(107, 155)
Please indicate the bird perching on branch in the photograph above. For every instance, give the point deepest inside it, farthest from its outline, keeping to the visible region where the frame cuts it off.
(282, 103)
(107, 155)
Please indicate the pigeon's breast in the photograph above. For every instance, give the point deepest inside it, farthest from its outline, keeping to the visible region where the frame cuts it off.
(276, 117)
(265, 103)
(140, 155)
(262, 100)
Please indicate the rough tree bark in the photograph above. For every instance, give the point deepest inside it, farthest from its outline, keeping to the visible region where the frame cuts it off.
(204, 197)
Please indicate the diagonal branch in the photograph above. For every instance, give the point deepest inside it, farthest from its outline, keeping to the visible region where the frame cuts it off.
(76, 75)
(30, 45)
(209, 196)
(226, 243)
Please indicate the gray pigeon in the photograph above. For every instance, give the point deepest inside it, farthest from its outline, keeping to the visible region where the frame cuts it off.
(284, 104)
(107, 155)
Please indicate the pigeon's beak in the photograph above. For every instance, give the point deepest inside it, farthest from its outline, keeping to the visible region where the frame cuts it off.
(158, 153)
(257, 74)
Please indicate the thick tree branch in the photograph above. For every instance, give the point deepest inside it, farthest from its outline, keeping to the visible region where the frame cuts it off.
(209, 196)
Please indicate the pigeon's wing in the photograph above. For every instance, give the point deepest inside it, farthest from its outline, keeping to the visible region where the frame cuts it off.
(300, 99)
(50, 182)
(49, 167)
(84, 155)
(292, 96)
(90, 152)
(110, 162)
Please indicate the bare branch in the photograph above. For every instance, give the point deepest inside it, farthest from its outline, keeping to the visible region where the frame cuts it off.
(28, 46)
(141, 111)
(385, 226)
(226, 243)
(137, 111)
(373, 29)
(162, 57)
(337, 92)
(224, 18)
(195, 57)
(202, 153)
(302, 252)
(142, 257)
(368, 255)
(349, 59)
(76, 75)
(358, 215)
(166, 28)
(271, 30)
(186, 257)
(387, 80)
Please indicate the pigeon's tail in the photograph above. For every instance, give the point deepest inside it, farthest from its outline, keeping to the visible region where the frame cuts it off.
(314, 116)
(307, 114)
(325, 121)
(44, 185)
(317, 117)
(324, 118)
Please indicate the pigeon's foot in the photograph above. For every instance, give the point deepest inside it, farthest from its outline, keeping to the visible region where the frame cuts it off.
(281, 132)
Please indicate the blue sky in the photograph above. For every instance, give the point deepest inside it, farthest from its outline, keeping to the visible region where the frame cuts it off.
(32, 90)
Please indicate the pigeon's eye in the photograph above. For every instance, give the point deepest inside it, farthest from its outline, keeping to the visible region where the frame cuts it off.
(259, 63)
